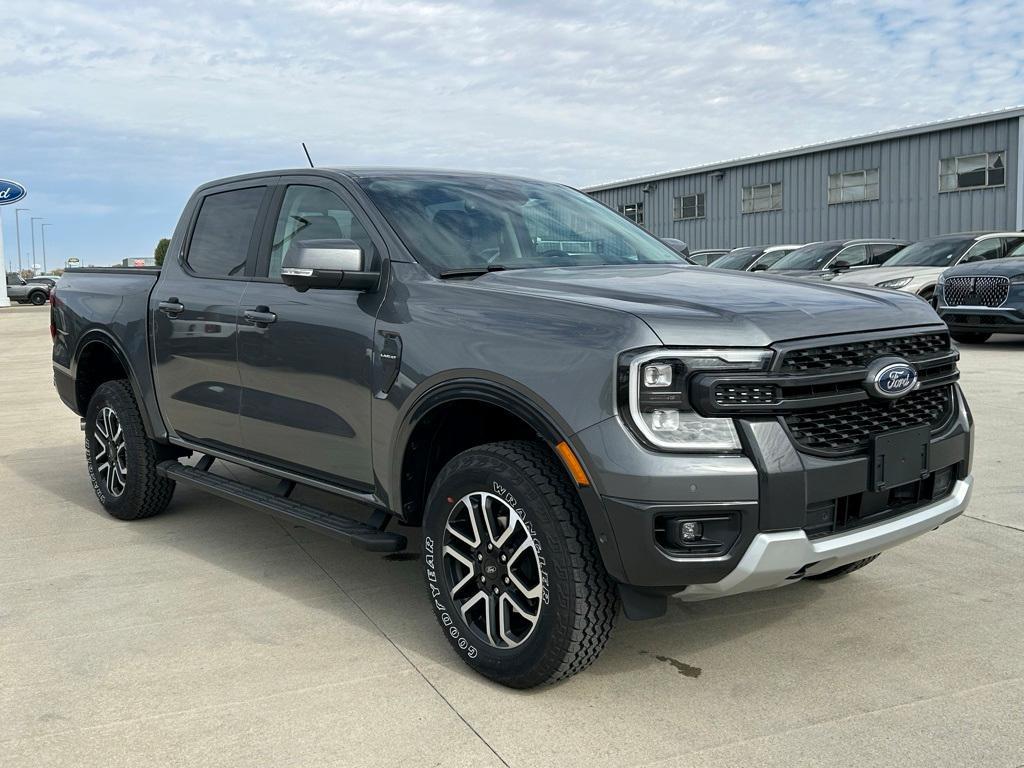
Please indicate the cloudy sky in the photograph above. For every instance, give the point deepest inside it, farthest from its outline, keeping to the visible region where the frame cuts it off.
(111, 113)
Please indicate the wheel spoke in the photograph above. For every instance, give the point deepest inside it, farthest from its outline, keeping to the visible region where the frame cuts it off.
(101, 424)
(467, 562)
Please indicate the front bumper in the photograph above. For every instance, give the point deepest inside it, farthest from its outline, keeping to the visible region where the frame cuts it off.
(983, 319)
(776, 559)
(774, 492)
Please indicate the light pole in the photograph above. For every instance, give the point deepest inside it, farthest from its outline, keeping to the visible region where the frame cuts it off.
(32, 226)
(42, 231)
(17, 231)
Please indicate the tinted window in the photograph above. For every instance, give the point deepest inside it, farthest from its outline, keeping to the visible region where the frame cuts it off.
(882, 252)
(314, 213)
(741, 258)
(1014, 246)
(223, 231)
(766, 261)
(930, 253)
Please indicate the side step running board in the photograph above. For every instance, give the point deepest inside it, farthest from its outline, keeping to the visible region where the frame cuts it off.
(362, 535)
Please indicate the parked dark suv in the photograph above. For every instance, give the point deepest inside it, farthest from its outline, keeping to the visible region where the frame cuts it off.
(980, 298)
(573, 415)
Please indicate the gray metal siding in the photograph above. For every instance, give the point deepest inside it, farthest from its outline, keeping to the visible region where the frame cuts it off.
(909, 205)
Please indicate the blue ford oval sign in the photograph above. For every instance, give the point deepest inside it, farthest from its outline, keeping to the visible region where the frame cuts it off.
(10, 192)
(893, 380)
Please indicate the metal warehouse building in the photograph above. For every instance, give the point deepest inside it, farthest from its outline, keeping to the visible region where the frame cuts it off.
(952, 176)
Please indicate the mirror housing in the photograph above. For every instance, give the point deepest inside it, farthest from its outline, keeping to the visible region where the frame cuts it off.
(840, 266)
(759, 268)
(332, 264)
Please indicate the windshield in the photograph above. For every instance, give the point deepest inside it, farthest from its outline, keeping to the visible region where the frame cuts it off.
(813, 256)
(741, 258)
(930, 253)
(459, 222)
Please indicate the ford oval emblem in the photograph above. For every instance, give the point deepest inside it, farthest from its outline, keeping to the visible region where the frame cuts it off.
(892, 379)
(10, 192)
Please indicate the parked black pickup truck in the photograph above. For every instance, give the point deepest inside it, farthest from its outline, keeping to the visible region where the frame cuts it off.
(574, 416)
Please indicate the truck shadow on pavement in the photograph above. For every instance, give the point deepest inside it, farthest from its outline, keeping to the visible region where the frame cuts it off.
(386, 590)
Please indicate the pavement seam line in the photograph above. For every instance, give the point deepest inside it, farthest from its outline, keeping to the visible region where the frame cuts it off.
(1000, 525)
(394, 645)
(835, 720)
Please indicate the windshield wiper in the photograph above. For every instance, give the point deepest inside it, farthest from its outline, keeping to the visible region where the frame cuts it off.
(472, 271)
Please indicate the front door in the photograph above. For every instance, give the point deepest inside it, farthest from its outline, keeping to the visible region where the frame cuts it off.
(306, 375)
(194, 315)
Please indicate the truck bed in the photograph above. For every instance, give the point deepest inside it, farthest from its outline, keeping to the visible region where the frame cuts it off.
(107, 302)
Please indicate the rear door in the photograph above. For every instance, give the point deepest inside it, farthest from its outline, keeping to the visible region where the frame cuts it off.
(194, 313)
(307, 375)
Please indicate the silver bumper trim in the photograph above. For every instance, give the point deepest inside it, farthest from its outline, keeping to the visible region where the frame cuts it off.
(776, 559)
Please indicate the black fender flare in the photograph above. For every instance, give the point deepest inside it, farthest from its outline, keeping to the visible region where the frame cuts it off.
(154, 430)
(521, 402)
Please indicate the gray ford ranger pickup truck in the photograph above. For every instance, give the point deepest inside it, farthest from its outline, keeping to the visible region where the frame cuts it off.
(575, 418)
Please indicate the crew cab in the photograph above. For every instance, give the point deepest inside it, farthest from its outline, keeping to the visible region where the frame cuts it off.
(575, 417)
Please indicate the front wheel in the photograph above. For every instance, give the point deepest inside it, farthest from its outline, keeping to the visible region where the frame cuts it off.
(121, 458)
(967, 337)
(512, 568)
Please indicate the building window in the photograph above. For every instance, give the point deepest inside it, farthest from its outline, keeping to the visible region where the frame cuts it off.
(633, 211)
(762, 197)
(853, 186)
(688, 207)
(986, 169)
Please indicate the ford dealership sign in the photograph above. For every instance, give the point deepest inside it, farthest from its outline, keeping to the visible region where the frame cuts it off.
(10, 192)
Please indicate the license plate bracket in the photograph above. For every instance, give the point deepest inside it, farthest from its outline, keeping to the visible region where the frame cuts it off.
(900, 457)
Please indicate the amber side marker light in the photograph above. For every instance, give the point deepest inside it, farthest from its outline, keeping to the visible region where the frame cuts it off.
(572, 463)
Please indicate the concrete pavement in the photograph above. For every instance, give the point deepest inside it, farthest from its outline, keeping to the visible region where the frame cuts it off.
(216, 636)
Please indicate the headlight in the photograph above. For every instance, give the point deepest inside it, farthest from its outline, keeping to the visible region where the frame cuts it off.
(899, 282)
(1017, 280)
(653, 392)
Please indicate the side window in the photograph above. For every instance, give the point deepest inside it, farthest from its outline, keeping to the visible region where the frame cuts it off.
(854, 256)
(984, 250)
(880, 252)
(1014, 246)
(770, 258)
(223, 232)
(314, 213)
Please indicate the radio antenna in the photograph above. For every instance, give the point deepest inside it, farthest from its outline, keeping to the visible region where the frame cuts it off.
(310, 159)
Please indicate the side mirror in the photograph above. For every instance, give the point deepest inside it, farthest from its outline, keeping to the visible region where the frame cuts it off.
(840, 265)
(759, 268)
(337, 264)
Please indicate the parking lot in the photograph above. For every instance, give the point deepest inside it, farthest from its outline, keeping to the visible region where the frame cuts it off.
(214, 635)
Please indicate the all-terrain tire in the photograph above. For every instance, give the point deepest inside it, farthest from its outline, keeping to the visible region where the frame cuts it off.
(579, 601)
(37, 298)
(143, 492)
(968, 337)
(842, 570)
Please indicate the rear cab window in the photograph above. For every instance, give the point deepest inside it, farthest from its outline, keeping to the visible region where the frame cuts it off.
(224, 233)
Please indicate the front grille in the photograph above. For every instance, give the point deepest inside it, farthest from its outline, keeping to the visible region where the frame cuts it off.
(849, 427)
(859, 354)
(746, 394)
(976, 291)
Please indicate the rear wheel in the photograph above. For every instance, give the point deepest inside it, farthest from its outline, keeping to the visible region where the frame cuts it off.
(512, 568)
(122, 460)
(38, 298)
(842, 570)
(967, 337)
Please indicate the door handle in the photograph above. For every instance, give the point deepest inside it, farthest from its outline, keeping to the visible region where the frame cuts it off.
(171, 307)
(261, 317)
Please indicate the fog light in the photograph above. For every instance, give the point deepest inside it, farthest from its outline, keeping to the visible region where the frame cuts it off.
(691, 530)
(665, 421)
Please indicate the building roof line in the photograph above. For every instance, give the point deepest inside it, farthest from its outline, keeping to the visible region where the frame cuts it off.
(1006, 113)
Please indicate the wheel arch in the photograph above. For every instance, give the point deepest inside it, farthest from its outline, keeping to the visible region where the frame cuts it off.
(99, 358)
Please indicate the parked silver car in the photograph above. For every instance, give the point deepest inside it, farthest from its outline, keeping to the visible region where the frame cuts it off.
(26, 293)
(917, 267)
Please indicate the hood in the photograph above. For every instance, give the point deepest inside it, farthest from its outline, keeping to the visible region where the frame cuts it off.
(876, 275)
(695, 306)
(1001, 267)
